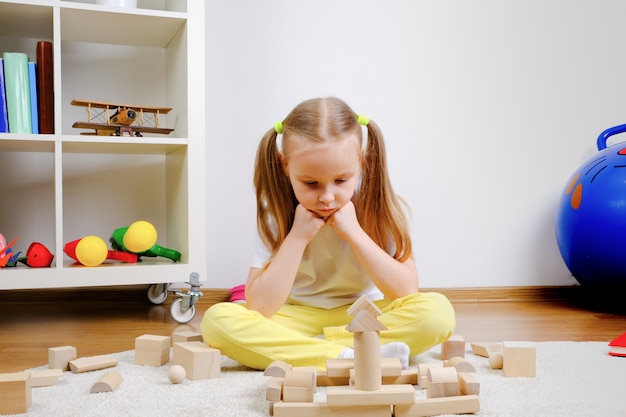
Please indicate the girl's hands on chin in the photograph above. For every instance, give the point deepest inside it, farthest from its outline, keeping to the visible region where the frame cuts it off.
(306, 223)
(344, 220)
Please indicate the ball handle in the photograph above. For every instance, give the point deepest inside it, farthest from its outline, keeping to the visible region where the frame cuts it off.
(605, 135)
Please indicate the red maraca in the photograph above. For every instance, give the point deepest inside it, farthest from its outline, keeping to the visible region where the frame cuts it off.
(92, 251)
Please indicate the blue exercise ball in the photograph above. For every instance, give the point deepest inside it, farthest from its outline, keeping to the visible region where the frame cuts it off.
(591, 220)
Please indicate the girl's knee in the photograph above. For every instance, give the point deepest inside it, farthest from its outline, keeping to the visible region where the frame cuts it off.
(424, 320)
(217, 318)
(443, 316)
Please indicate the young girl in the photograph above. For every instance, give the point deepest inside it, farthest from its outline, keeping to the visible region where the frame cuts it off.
(330, 229)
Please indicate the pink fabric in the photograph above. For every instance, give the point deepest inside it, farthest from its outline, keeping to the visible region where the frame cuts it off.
(238, 293)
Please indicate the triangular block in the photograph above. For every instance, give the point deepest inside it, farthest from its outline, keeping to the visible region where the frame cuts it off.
(363, 303)
(365, 321)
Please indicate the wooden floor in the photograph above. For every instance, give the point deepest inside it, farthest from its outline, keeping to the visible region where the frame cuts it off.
(107, 320)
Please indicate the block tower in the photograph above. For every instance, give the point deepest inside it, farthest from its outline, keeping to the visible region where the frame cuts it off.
(366, 329)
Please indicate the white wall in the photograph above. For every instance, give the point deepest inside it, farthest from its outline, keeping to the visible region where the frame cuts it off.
(487, 106)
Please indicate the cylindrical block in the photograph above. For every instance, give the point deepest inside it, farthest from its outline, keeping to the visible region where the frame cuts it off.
(367, 370)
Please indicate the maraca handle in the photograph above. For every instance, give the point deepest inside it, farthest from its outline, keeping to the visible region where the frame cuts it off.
(172, 254)
(127, 257)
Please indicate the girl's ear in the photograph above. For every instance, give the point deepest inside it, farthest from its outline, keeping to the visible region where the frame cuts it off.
(361, 158)
(283, 163)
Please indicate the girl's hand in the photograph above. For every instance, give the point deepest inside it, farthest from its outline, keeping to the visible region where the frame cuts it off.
(344, 221)
(306, 224)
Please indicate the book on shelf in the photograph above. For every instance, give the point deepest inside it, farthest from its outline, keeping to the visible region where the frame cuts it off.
(45, 85)
(32, 89)
(17, 91)
(4, 115)
(617, 346)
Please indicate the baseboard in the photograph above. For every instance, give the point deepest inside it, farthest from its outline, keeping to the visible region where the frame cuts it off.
(506, 294)
(457, 295)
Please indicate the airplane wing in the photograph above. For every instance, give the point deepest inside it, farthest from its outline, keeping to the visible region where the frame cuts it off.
(106, 126)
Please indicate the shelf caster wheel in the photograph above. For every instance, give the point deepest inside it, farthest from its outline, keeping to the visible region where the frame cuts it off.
(181, 313)
(157, 293)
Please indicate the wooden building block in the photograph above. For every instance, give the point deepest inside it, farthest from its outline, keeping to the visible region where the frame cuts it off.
(339, 367)
(186, 336)
(390, 367)
(277, 368)
(44, 377)
(443, 382)
(15, 393)
(199, 360)
(274, 390)
(495, 352)
(297, 394)
(152, 350)
(299, 386)
(468, 385)
(455, 346)
(519, 359)
(303, 379)
(324, 410)
(92, 363)
(323, 380)
(363, 303)
(461, 364)
(367, 371)
(107, 383)
(496, 360)
(483, 348)
(270, 409)
(407, 376)
(464, 404)
(365, 321)
(60, 357)
(422, 374)
(386, 395)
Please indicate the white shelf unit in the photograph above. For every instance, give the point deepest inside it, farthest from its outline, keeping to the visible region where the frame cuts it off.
(63, 186)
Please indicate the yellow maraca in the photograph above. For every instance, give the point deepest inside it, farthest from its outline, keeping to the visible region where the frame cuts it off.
(91, 251)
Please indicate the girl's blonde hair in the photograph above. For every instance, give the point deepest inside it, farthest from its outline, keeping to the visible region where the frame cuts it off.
(379, 210)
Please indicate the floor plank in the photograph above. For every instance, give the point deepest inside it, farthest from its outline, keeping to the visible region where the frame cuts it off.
(106, 320)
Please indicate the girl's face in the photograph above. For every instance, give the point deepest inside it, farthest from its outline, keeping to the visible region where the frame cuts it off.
(323, 176)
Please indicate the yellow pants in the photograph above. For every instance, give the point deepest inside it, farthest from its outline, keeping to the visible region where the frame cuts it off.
(293, 334)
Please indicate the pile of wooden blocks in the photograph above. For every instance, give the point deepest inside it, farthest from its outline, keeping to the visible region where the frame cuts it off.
(370, 386)
(198, 360)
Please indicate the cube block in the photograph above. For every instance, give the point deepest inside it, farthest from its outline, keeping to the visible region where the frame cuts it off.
(199, 360)
(152, 350)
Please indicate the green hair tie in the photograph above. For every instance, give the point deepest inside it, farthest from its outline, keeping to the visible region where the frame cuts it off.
(363, 120)
(278, 127)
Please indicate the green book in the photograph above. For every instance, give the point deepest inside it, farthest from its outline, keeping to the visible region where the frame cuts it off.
(17, 91)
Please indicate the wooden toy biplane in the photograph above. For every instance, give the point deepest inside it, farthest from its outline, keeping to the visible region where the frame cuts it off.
(111, 119)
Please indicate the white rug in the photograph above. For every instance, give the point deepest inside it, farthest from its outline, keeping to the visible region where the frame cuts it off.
(573, 380)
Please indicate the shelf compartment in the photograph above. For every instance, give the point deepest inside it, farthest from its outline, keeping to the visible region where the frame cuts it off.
(26, 21)
(110, 186)
(132, 27)
(28, 193)
(121, 74)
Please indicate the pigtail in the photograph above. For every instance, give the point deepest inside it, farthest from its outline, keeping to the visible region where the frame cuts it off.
(381, 210)
(275, 198)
